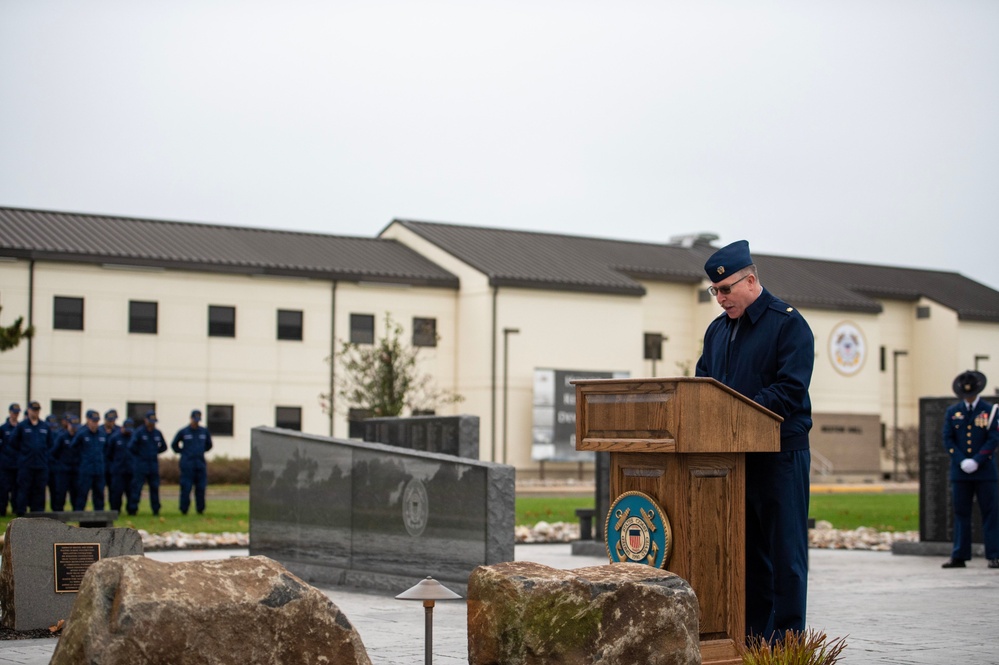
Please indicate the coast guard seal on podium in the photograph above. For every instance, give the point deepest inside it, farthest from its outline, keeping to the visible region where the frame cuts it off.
(638, 531)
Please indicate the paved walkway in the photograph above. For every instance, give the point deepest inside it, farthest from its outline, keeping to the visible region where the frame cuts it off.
(891, 609)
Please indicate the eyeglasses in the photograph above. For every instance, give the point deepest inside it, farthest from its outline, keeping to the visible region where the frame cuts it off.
(725, 290)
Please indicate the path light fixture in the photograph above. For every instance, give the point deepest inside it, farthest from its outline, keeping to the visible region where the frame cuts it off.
(428, 590)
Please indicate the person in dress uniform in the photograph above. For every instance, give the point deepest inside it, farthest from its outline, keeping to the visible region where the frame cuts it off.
(764, 349)
(970, 436)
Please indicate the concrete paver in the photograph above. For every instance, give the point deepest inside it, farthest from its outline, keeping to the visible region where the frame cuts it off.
(891, 609)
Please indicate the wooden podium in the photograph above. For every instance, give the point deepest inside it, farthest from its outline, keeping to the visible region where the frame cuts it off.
(682, 441)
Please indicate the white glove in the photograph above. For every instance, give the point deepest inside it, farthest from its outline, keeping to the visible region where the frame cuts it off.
(969, 465)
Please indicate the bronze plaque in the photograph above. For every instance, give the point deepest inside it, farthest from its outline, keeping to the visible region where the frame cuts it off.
(71, 562)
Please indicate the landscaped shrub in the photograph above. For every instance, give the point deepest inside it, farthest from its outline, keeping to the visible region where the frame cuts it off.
(222, 470)
(809, 647)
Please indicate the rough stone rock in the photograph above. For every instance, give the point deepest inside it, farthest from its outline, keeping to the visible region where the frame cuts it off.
(524, 613)
(137, 611)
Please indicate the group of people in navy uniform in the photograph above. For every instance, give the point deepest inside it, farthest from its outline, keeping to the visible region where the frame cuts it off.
(80, 461)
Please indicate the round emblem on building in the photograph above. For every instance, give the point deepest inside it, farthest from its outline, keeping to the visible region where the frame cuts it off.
(847, 348)
(638, 531)
(415, 507)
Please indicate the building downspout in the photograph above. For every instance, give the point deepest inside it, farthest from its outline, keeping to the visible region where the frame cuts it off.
(31, 322)
(332, 352)
(492, 418)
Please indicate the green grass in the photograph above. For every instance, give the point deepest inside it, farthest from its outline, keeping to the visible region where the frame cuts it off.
(223, 512)
(229, 509)
(533, 509)
(881, 511)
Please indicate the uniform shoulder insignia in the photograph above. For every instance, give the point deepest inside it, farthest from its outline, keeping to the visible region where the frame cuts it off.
(790, 309)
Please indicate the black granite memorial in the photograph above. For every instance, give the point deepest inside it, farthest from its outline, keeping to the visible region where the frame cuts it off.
(450, 435)
(936, 508)
(601, 500)
(347, 512)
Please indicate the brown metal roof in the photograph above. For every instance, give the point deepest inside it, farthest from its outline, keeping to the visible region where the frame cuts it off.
(560, 262)
(507, 257)
(551, 261)
(61, 236)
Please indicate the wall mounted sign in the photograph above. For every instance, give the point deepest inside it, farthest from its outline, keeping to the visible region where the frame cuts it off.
(554, 414)
(847, 348)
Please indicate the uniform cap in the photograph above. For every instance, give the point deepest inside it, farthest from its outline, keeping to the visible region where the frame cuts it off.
(968, 384)
(93, 415)
(196, 414)
(128, 423)
(34, 406)
(14, 408)
(151, 416)
(728, 260)
(110, 413)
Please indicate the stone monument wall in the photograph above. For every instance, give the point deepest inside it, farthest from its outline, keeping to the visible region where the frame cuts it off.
(339, 511)
(451, 435)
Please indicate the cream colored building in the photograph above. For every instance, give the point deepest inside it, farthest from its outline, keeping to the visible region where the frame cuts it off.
(245, 321)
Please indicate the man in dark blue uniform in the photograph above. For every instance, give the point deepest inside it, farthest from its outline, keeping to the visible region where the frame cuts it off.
(32, 439)
(88, 445)
(110, 429)
(970, 437)
(63, 462)
(192, 443)
(763, 348)
(119, 461)
(146, 444)
(8, 460)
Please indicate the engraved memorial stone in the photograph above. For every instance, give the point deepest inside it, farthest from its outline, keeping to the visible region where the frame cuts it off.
(37, 577)
(368, 514)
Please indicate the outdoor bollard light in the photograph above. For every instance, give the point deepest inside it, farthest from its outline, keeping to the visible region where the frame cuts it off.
(428, 591)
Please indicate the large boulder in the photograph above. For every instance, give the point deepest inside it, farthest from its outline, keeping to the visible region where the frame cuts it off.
(524, 613)
(133, 610)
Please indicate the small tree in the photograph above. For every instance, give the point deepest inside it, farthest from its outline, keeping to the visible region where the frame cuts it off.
(384, 378)
(12, 335)
(906, 446)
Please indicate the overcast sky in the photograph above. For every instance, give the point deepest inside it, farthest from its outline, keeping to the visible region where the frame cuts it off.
(859, 130)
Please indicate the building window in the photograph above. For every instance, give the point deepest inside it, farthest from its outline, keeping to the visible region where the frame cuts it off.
(884, 359)
(137, 411)
(424, 412)
(219, 420)
(922, 312)
(62, 406)
(67, 313)
(704, 296)
(288, 417)
(221, 321)
(362, 328)
(289, 324)
(142, 317)
(355, 422)
(424, 332)
(653, 346)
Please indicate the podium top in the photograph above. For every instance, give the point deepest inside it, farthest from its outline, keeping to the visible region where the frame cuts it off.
(673, 415)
